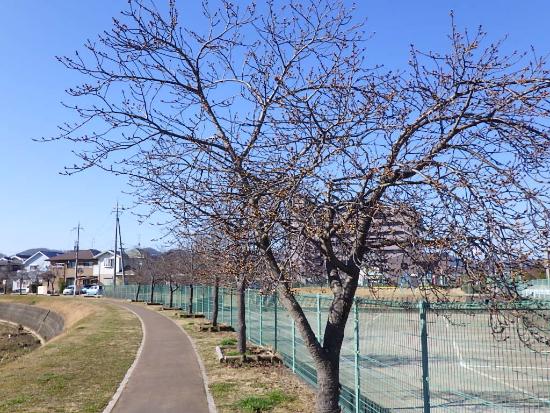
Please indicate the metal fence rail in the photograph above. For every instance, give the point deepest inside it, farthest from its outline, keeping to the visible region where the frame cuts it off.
(397, 356)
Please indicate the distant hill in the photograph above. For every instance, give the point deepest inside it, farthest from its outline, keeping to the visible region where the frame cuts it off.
(151, 251)
(140, 252)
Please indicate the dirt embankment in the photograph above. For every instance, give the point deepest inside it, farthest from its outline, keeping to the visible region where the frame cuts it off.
(68, 311)
(395, 293)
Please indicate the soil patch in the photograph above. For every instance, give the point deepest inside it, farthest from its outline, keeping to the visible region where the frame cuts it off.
(15, 341)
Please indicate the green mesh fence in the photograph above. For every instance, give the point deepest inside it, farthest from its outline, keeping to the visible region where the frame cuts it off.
(397, 356)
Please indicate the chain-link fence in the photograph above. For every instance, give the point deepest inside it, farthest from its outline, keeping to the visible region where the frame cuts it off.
(400, 356)
(537, 289)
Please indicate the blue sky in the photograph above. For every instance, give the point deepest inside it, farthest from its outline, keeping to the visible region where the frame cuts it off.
(39, 207)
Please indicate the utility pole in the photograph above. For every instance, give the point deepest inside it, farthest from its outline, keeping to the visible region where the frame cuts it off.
(121, 250)
(76, 248)
(116, 240)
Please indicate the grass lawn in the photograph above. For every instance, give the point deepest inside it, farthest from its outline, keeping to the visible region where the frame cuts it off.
(251, 389)
(78, 371)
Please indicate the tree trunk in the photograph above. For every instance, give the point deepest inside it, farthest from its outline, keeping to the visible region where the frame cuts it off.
(172, 291)
(216, 302)
(190, 305)
(152, 290)
(171, 294)
(327, 357)
(137, 292)
(241, 320)
(328, 386)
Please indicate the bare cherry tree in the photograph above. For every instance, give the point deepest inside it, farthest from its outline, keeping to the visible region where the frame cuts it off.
(141, 272)
(170, 264)
(271, 124)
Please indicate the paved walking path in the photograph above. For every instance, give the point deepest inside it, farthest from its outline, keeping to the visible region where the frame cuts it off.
(167, 377)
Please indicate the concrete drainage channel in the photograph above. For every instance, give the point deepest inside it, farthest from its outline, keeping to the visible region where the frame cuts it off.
(44, 323)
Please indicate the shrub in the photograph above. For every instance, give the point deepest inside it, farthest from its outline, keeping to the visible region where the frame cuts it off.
(228, 342)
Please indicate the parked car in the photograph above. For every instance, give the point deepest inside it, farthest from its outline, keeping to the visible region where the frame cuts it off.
(69, 290)
(85, 288)
(94, 290)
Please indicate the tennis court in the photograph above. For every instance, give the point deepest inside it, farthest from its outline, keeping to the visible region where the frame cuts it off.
(462, 361)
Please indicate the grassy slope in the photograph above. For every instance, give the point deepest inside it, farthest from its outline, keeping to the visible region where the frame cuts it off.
(78, 371)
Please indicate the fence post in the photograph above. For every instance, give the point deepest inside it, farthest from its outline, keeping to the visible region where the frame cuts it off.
(231, 306)
(357, 348)
(261, 320)
(319, 318)
(202, 299)
(208, 305)
(275, 316)
(423, 306)
(222, 303)
(196, 298)
(293, 346)
(248, 322)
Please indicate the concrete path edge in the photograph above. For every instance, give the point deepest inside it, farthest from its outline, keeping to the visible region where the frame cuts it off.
(210, 400)
(124, 381)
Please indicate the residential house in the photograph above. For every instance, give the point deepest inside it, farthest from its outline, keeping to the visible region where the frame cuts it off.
(108, 266)
(64, 267)
(39, 261)
(37, 268)
(132, 259)
(8, 269)
(9, 265)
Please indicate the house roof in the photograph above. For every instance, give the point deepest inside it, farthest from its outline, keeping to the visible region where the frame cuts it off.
(48, 254)
(110, 252)
(71, 255)
(31, 251)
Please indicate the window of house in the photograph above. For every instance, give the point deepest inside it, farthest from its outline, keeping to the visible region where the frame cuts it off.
(109, 262)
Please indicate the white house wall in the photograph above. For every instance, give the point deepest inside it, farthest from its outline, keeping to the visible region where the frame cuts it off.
(18, 284)
(39, 262)
(103, 272)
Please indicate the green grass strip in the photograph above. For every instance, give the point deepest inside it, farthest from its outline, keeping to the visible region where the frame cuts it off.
(77, 372)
